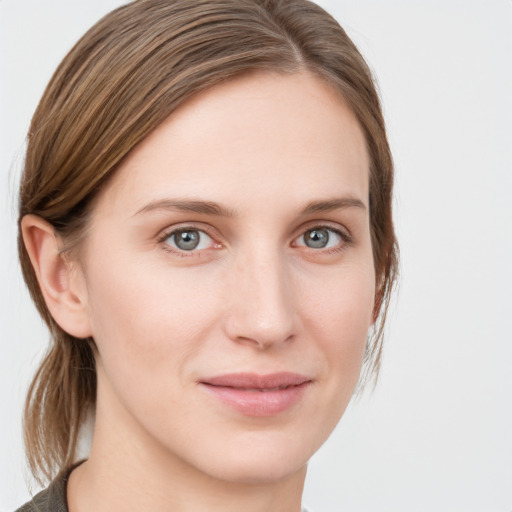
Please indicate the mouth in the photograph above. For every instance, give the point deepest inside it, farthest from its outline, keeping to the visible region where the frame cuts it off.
(258, 395)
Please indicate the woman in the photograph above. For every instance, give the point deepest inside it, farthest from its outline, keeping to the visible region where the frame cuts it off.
(205, 226)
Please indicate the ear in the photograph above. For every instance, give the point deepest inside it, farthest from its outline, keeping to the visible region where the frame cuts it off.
(60, 280)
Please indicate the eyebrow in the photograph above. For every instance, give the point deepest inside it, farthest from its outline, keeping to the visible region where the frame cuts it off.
(218, 210)
(188, 205)
(329, 205)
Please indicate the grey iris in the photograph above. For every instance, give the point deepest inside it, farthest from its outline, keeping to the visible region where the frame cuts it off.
(316, 238)
(186, 240)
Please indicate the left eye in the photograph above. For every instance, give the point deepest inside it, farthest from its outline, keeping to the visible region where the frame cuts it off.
(320, 238)
(189, 239)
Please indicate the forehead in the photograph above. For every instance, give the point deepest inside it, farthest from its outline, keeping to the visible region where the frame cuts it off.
(258, 136)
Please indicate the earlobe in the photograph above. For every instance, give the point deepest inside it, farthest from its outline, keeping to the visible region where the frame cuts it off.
(60, 284)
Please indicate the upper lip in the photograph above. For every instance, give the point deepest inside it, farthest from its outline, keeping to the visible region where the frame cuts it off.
(256, 381)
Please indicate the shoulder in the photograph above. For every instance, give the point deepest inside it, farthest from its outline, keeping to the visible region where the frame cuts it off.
(53, 498)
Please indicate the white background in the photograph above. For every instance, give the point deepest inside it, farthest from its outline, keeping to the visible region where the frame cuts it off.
(436, 435)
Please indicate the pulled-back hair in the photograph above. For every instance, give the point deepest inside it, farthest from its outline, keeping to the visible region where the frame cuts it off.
(125, 76)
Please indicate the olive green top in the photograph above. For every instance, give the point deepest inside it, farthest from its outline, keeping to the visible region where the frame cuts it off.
(53, 498)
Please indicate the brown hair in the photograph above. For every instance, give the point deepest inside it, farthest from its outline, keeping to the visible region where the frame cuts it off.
(119, 82)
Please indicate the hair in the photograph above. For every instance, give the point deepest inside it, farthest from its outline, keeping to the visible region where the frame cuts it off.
(125, 76)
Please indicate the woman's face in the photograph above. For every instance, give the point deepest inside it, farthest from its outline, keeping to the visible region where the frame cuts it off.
(229, 281)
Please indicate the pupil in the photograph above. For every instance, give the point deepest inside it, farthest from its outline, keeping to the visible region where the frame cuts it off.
(187, 240)
(317, 238)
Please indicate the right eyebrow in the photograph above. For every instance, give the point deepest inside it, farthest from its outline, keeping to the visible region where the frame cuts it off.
(187, 205)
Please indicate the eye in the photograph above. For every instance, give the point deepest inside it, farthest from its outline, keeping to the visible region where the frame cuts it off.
(188, 239)
(321, 238)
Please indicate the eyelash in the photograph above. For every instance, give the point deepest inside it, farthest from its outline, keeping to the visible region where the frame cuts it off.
(183, 254)
(346, 240)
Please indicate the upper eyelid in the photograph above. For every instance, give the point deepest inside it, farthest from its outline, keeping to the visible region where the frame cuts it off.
(169, 231)
(334, 226)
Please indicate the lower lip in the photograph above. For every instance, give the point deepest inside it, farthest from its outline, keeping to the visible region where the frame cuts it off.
(258, 403)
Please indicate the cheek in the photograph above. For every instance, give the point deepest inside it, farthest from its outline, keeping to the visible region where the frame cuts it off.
(342, 306)
(145, 317)
(339, 317)
(141, 329)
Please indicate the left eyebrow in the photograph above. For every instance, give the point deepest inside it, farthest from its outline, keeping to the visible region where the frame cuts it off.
(333, 204)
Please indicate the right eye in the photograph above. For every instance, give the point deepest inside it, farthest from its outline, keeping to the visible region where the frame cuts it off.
(188, 240)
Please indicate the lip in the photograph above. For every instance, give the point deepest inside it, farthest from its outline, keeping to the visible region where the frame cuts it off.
(258, 395)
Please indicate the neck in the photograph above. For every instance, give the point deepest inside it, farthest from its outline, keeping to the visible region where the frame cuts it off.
(102, 488)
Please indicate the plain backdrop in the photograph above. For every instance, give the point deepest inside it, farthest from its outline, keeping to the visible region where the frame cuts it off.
(436, 435)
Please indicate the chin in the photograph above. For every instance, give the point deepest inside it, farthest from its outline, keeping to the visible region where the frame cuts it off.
(258, 472)
(259, 459)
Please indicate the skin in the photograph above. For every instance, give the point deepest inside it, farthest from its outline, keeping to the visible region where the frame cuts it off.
(253, 297)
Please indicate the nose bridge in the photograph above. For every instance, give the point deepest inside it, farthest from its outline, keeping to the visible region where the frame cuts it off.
(262, 309)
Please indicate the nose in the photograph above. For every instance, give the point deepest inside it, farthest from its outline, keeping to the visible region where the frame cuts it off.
(261, 310)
